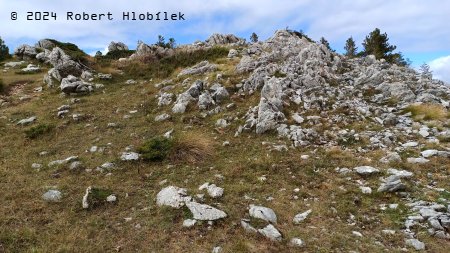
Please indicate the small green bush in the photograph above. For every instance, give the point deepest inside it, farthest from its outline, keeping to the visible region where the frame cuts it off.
(156, 149)
(98, 197)
(2, 86)
(37, 131)
(115, 55)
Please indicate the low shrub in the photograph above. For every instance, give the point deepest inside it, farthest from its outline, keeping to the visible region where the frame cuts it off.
(98, 197)
(37, 131)
(189, 148)
(2, 87)
(156, 149)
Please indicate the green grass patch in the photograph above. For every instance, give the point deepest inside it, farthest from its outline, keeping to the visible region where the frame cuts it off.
(37, 131)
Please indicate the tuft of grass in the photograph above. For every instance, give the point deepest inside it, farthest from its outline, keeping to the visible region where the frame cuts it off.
(192, 148)
(189, 148)
(278, 74)
(98, 197)
(155, 67)
(38, 130)
(156, 149)
(428, 112)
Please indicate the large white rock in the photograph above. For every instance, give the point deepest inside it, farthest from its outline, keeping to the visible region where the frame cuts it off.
(172, 196)
(263, 213)
(205, 212)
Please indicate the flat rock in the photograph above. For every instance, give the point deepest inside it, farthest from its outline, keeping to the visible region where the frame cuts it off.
(415, 160)
(416, 244)
(366, 170)
(429, 153)
(27, 121)
(205, 212)
(171, 196)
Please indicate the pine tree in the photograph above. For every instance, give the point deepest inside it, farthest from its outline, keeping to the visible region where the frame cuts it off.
(254, 38)
(161, 41)
(4, 50)
(324, 42)
(377, 44)
(426, 72)
(350, 48)
(98, 54)
(171, 43)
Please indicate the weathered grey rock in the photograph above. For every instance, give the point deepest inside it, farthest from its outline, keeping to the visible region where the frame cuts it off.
(61, 162)
(63, 64)
(429, 153)
(162, 117)
(85, 201)
(410, 144)
(221, 123)
(189, 223)
(223, 39)
(14, 64)
(200, 68)
(31, 68)
(416, 244)
(52, 196)
(213, 190)
(205, 212)
(117, 46)
(129, 156)
(263, 213)
(27, 121)
(391, 157)
(400, 173)
(72, 84)
(392, 184)
(25, 52)
(299, 218)
(220, 94)
(270, 107)
(233, 53)
(165, 99)
(45, 44)
(172, 196)
(297, 242)
(419, 160)
(271, 232)
(366, 170)
(247, 227)
(76, 165)
(205, 101)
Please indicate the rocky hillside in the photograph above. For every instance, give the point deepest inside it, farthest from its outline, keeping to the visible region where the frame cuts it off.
(221, 146)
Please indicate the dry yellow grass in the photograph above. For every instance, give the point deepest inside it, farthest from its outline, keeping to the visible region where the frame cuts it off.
(428, 112)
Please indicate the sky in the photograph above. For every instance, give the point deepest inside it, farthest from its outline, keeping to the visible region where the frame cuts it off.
(419, 29)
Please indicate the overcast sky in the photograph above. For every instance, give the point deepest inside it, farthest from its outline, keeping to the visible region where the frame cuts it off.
(419, 29)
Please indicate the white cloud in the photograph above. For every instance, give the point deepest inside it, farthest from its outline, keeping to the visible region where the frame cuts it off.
(441, 68)
(415, 26)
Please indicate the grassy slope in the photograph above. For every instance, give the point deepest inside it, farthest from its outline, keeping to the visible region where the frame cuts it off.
(30, 224)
